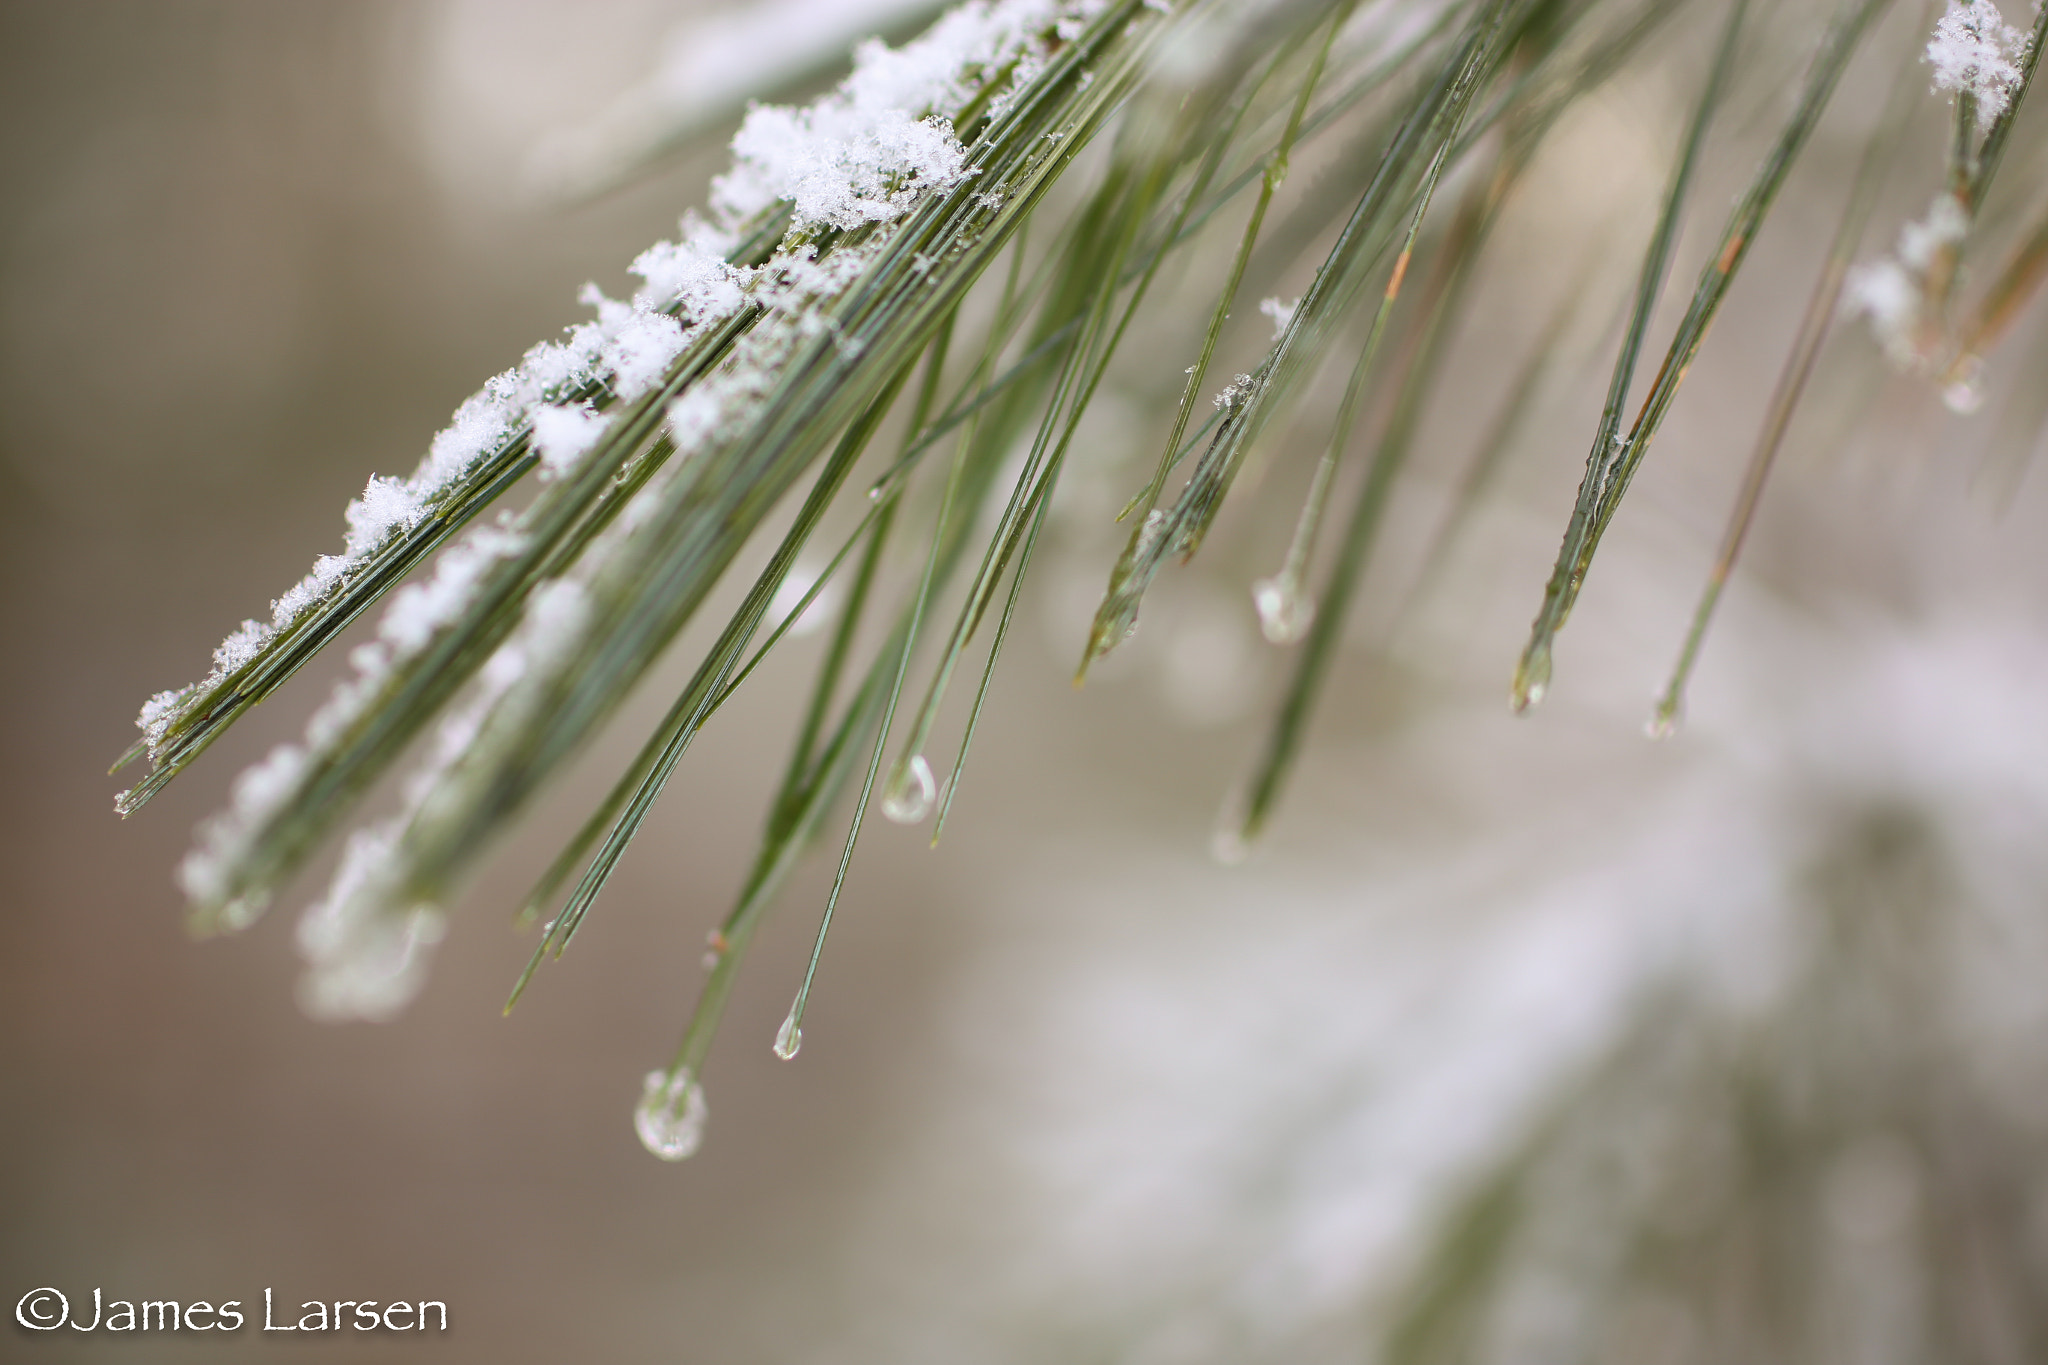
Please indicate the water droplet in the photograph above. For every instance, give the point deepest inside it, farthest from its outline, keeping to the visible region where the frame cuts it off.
(789, 1037)
(1532, 678)
(1965, 395)
(1284, 612)
(1229, 845)
(1665, 719)
(242, 911)
(911, 791)
(887, 484)
(670, 1115)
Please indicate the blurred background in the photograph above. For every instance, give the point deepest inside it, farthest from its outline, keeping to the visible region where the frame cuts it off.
(1521, 1038)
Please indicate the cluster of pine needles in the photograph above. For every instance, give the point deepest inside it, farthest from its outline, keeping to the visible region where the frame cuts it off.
(983, 323)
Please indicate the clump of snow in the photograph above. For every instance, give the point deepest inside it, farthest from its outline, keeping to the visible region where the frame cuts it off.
(418, 610)
(223, 840)
(1281, 311)
(231, 653)
(1884, 292)
(386, 506)
(689, 277)
(710, 65)
(1234, 393)
(866, 152)
(555, 618)
(1892, 290)
(1945, 225)
(1975, 51)
(364, 966)
(563, 436)
(791, 290)
(842, 168)
(641, 352)
(863, 155)
(156, 712)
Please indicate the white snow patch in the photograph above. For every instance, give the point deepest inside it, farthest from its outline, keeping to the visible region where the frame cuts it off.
(1281, 311)
(563, 436)
(1975, 51)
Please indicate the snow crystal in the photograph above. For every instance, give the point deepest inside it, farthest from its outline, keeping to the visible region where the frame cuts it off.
(481, 425)
(696, 283)
(327, 571)
(386, 506)
(640, 353)
(842, 167)
(869, 150)
(554, 368)
(159, 710)
(563, 436)
(1975, 51)
(1234, 394)
(236, 650)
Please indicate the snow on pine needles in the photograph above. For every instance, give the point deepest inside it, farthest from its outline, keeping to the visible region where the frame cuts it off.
(861, 158)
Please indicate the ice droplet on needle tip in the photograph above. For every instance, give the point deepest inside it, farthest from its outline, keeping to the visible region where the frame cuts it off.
(670, 1115)
(911, 791)
(1285, 612)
